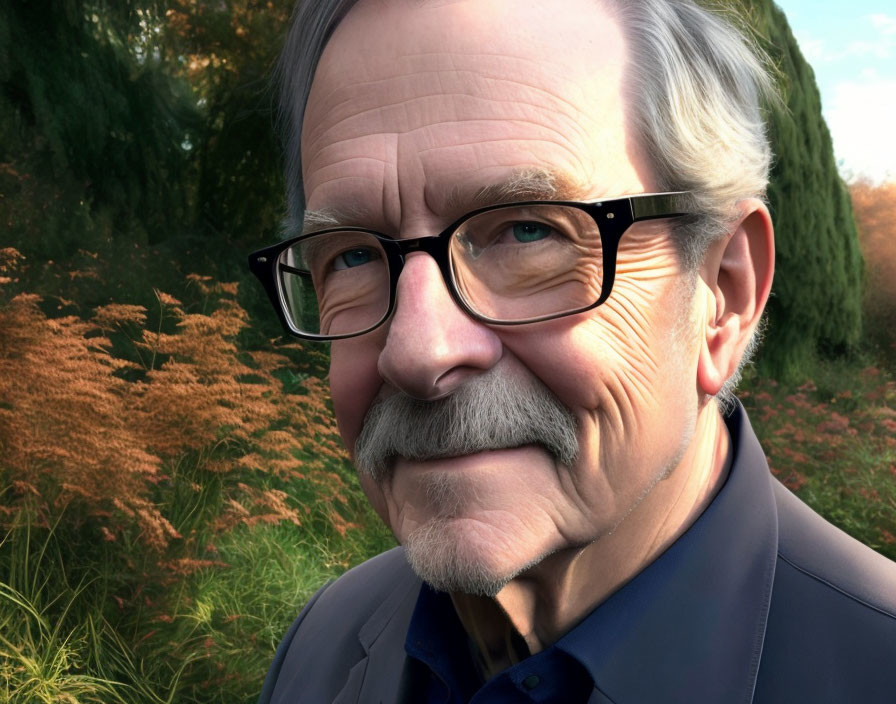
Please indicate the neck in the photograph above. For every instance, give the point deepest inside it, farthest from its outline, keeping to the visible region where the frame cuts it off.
(551, 598)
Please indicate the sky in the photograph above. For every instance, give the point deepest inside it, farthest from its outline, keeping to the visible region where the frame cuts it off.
(852, 48)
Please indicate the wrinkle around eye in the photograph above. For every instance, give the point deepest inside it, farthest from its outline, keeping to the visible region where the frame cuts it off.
(632, 345)
(628, 306)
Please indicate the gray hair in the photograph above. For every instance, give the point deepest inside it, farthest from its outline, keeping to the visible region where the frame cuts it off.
(696, 82)
(313, 21)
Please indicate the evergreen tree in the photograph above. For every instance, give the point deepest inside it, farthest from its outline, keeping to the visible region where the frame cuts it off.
(816, 303)
(227, 51)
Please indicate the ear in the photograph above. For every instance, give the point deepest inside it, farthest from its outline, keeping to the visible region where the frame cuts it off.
(738, 271)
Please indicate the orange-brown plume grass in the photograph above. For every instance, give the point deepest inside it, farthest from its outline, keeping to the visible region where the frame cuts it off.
(83, 428)
(875, 212)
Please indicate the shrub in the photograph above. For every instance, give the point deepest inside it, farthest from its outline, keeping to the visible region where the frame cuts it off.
(875, 211)
(169, 499)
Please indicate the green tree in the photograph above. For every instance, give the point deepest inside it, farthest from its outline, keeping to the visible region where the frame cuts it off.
(227, 51)
(94, 133)
(816, 303)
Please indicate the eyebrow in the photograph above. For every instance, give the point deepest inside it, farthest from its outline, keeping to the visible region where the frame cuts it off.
(327, 217)
(527, 184)
(522, 185)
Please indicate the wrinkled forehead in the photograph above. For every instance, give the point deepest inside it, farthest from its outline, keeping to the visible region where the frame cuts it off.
(570, 49)
(569, 34)
(466, 84)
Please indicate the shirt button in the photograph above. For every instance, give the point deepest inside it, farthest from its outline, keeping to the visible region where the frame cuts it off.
(531, 682)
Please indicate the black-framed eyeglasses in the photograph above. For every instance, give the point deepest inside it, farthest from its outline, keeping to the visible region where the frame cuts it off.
(506, 264)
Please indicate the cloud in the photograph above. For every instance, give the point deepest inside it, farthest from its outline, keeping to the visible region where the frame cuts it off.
(813, 49)
(855, 70)
(861, 117)
(879, 42)
(884, 23)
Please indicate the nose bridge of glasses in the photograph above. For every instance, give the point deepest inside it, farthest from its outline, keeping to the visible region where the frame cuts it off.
(436, 246)
(433, 245)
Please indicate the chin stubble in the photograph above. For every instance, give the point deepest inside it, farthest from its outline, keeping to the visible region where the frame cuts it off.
(493, 411)
(445, 563)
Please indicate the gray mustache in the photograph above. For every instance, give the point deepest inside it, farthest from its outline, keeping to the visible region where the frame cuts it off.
(492, 411)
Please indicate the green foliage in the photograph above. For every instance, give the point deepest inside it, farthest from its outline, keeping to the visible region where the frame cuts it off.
(168, 501)
(141, 132)
(114, 627)
(49, 645)
(152, 123)
(92, 133)
(816, 303)
(227, 51)
(832, 440)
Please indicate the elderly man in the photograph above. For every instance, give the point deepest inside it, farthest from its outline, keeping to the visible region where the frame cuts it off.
(534, 232)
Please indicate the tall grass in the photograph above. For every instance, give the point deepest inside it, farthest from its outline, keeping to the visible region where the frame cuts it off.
(169, 500)
(52, 649)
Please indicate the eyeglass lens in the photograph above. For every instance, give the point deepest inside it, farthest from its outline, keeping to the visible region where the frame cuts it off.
(509, 264)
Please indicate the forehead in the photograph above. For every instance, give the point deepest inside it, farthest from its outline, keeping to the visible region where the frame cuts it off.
(414, 104)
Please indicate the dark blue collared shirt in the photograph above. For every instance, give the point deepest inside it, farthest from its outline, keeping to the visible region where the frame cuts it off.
(438, 640)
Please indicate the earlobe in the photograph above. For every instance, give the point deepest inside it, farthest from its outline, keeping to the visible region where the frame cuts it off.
(737, 272)
(715, 363)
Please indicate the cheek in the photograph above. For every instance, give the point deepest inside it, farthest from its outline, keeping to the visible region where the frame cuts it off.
(377, 498)
(590, 364)
(354, 383)
(617, 366)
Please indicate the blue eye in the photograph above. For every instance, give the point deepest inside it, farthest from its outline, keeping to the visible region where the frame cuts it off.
(531, 231)
(354, 257)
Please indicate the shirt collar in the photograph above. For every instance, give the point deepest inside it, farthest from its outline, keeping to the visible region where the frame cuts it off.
(690, 626)
(437, 638)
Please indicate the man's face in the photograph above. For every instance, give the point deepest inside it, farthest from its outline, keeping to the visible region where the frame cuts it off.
(417, 107)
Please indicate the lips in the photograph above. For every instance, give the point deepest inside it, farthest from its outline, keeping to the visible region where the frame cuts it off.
(456, 480)
(458, 456)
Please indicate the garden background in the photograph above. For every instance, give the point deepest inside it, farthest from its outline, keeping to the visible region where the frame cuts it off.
(172, 486)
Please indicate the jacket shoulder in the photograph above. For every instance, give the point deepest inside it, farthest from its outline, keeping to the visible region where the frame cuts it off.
(825, 553)
(831, 631)
(336, 628)
(362, 590)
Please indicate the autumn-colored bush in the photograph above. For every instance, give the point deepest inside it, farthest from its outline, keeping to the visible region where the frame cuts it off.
(832, 440)
(99, 413)
(169, 498)
(875, 212)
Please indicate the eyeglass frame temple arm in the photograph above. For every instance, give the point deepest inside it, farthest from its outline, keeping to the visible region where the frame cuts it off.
(652, 206)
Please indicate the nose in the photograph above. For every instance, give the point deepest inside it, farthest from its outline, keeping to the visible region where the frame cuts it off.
(432, 346)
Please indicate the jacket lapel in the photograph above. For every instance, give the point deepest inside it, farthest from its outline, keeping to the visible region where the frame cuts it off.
(384, 673)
